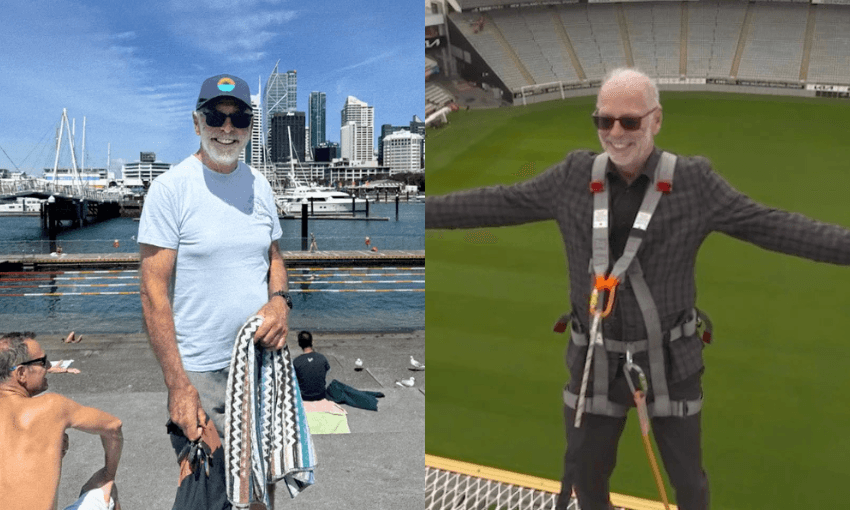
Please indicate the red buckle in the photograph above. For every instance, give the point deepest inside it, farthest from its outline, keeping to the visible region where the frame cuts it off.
(706, 337)
(597, 186)
(560, 327)
(664, 186)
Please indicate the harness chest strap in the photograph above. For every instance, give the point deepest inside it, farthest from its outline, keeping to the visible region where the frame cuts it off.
(628, 263)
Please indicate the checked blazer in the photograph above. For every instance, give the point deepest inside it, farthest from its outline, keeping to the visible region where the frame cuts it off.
(701, 202)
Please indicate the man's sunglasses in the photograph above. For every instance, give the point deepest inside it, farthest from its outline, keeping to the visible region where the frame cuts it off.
(604, 122)
(37, 361)
(215, 118)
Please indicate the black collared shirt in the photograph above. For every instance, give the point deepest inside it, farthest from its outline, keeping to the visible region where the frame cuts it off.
(624, 204)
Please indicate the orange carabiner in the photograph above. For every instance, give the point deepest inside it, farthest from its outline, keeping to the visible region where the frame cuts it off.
(610, 284)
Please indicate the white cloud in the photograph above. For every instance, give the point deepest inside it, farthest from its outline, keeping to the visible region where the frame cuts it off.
(369, 61)
(123, 36)
(239, 39)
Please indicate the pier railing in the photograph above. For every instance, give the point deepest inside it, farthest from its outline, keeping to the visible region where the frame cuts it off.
(129, 245)
(10, 189)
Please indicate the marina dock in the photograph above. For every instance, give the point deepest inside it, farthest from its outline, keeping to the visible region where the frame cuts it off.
(69, 261)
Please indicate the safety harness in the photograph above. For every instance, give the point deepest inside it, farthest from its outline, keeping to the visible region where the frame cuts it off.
(627, 266)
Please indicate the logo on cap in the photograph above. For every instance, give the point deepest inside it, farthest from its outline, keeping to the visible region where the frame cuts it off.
(226, 84)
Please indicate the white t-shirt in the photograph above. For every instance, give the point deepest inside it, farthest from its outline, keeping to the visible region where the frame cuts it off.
(221, 226)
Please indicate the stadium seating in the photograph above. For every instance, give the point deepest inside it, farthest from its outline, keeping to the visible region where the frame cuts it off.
(536, 44)
(830, 58)
(774, 48)
(655, 34)
(595, 35)
(436, 97)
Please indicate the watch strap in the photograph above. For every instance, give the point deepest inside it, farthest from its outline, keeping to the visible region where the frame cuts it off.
(285, 295)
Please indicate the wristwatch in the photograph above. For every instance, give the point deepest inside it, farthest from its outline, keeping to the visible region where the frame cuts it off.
(285, 296)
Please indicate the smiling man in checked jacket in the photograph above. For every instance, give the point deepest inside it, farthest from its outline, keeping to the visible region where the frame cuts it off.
(656, 290)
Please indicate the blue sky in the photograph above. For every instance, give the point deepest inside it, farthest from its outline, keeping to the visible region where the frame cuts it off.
(134, 69)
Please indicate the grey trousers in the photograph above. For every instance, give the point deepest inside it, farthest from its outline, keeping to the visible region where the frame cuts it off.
(212, 390)
(592, 452)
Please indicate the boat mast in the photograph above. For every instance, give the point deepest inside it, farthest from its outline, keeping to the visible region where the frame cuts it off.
(75, 175)
(58, 148)
(83, 169)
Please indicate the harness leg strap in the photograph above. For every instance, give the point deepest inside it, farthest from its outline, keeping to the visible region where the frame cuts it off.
(655, 336)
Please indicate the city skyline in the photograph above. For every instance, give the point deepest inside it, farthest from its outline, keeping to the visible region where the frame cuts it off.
(134, 71)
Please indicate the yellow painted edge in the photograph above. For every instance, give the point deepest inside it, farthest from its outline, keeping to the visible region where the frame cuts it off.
(532, 482)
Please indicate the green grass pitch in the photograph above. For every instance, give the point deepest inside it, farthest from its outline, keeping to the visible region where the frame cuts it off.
(777, 381)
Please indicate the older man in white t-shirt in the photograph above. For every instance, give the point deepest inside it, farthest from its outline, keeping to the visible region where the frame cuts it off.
(210, 259)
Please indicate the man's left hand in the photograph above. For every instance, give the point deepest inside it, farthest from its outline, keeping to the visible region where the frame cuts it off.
(272, 332)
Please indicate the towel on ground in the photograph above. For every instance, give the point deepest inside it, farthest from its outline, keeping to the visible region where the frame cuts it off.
(326, 417)
(344, 394)
(266, 438)
(92, 500)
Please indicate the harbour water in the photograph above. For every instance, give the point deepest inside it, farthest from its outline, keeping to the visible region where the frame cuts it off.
(339, 300)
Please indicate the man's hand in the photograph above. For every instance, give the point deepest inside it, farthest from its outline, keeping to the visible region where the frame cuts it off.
(102, 478)
(184, 409)
(272, 332)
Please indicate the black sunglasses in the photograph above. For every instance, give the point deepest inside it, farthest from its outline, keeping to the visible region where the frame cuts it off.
(604, 122)
(215, 118)
(37, 361)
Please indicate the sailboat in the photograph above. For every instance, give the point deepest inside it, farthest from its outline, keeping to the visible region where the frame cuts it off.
(320, 199)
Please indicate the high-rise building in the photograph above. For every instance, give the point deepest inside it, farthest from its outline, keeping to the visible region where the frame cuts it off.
(416, 126)
(285, 126)
(252, 153)
(317, 119)
(402, 152)
(327, 151)
(281, 94)
(357, 131)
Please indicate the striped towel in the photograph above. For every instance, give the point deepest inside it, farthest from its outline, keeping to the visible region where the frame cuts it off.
(266, 437)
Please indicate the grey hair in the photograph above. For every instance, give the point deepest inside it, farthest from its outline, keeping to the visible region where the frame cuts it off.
(652, 91)
(13, 351)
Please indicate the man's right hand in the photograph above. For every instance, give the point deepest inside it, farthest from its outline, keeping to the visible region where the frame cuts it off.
(184, 409)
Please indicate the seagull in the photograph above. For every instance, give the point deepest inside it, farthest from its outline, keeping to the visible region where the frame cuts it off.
(416, 365)
(405, 382)
(358, 364)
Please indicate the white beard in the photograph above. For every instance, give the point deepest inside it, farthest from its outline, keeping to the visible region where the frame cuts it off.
(221, 156)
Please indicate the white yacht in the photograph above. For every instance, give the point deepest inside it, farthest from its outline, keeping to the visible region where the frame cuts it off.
(319, 199)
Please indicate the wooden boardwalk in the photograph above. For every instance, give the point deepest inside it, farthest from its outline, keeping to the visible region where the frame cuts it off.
(41, 262)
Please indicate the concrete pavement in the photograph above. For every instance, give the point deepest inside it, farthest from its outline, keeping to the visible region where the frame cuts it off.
(379, 466)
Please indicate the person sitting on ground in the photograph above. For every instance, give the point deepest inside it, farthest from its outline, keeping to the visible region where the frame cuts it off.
(310, 368)
(32, 432)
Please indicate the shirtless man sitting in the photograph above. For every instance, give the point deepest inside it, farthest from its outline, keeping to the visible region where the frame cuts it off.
(32, 432)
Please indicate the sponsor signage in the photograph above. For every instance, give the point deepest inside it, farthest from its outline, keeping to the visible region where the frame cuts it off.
(436, 42)
(828, 88)
(681, 81)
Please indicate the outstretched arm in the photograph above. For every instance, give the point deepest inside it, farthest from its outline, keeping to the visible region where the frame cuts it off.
(733, 213)
(531, 200)
(184, 404)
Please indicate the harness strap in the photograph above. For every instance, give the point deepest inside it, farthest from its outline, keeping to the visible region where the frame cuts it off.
(684, 330)
(611, 408)
(655, 337)
(678, 408)
(600, 252)
(600, 216)
(663, 173)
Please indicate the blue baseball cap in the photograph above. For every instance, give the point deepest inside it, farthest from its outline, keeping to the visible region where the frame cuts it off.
(224, 85)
